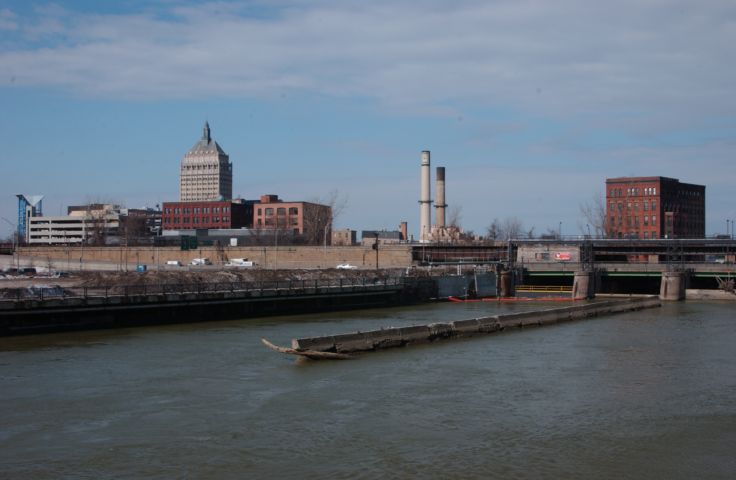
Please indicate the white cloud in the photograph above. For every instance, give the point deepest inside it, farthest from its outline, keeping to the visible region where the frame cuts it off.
(552, 57)
(7, 20)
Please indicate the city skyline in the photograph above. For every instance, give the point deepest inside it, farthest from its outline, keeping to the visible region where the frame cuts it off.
(530, 106)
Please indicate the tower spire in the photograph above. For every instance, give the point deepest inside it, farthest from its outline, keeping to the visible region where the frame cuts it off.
(206, 132)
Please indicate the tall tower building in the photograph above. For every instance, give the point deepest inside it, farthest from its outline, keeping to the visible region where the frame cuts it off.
(206, 171)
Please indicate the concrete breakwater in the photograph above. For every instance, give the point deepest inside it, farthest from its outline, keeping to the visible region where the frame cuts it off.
(421, 334)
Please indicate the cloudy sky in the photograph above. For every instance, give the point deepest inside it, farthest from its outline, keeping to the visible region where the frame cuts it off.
(530, 105)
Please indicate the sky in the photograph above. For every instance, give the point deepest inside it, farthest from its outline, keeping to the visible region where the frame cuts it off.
(529, 105)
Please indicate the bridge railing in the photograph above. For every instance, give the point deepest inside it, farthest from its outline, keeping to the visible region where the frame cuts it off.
(157, 291)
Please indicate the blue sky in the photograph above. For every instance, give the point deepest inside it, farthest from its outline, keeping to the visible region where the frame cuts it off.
(529, 105)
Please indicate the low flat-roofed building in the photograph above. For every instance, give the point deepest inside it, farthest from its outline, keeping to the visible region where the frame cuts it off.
(344, 237)
(385, 237)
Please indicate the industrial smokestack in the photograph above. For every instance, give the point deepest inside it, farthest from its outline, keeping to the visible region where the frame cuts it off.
(425, 216)
(439, 203)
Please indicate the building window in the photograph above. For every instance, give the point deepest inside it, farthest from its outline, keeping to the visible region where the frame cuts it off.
(259, 213)
(654, 220)
(206, 210)
(293, 211)
(646, 220)
(281, 211)
(269, 212)
(225, 219)
(215, 219)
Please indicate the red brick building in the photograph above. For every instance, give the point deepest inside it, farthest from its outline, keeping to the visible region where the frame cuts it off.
(311, 221)
(654, 207)
(214, 214)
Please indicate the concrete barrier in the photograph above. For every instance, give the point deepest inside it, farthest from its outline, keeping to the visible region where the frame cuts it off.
(417, 334)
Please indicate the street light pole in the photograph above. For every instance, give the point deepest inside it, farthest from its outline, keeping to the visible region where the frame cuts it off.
(375, 246)
(559, 234)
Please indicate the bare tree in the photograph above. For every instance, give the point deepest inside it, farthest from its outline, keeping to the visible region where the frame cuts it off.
(551, 233)
(594, 217)
(510, 227)
(455, 216)
(318, 221)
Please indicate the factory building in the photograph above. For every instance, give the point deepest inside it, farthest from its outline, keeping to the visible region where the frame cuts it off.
(654, 207)
(206, 172)
(439, 232)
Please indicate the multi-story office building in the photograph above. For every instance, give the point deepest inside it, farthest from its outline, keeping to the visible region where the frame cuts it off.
(311, 221)
(206, 172)
(207, 215)
(95, 224)
(654, 207)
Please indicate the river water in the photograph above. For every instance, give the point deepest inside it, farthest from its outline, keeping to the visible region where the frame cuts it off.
(649, 394)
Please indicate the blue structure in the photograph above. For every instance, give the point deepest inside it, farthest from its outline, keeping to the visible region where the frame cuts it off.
(28, 206)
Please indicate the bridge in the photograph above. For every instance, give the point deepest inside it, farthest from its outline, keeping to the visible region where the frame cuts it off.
(620, 265)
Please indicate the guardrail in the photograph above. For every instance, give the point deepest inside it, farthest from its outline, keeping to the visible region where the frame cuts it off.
(260, 289)
(544, 288)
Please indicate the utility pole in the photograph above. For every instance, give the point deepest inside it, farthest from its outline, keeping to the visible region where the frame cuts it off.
(375, 247)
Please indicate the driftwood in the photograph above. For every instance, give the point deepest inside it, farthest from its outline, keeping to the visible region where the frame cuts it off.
(313, 354)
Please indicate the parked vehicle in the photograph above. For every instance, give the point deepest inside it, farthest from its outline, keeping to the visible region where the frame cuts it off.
(173, 263)
(240, 262)
(201, 261)
(346, 266)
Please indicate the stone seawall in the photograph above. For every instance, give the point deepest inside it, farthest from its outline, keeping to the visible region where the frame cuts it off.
(420, 334)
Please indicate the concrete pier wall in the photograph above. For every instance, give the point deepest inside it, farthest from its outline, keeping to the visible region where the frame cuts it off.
(402, 336)
(583, 285)
(673, 286)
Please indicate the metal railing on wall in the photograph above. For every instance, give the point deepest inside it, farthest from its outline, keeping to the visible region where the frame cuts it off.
(159, 292)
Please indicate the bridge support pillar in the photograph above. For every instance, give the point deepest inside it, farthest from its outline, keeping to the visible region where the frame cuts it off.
(673, 286)
(584, 285)
(506, 279)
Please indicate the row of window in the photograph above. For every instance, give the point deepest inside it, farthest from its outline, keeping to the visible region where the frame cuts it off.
(633, 221)
(635, 206)
(187, 210)
(269, 222)
(633, 191)
(194, 220)
(279, 211)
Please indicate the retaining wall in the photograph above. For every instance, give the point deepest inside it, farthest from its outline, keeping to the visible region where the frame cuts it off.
(63, 257)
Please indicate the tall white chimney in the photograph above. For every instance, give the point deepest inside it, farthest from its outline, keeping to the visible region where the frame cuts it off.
(439, 203)
(425, 216)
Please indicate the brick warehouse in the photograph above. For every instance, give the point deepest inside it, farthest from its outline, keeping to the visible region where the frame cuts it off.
(218, 214)
(654, 207)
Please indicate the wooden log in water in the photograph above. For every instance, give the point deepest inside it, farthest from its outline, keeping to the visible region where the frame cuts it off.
(313, 354)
